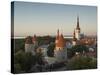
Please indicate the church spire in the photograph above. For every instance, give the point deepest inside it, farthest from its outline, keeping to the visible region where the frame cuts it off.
(58, 32)
(78, 27)
(57, 37)
(74, 34)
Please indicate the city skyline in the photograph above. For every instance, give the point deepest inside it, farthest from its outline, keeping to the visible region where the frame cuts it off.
(45, 19)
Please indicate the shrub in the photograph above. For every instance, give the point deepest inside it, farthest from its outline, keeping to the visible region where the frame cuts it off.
(77, 63)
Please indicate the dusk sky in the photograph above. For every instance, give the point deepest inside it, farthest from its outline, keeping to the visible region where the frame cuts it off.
(45, 19)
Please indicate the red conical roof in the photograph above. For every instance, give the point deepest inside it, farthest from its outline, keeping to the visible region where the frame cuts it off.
(60, 41)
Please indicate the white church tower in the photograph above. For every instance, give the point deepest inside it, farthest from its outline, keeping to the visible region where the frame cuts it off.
(77, 30)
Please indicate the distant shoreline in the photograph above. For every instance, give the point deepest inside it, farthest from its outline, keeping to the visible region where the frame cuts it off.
(18, 37)
(23, 37)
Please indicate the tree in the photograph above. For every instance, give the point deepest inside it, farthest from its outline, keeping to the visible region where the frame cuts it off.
(77, 63)
(17, 68)
(70, 53)
(18, 44)
(80, 48)
(39, 59)
(77, 48)
(24, 60)
(50, 51)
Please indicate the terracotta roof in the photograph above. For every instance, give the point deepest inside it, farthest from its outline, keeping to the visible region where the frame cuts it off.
(60, 41)
(28, 40)
(34, 38)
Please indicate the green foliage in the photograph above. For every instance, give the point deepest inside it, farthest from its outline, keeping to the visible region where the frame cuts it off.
(80, 48)
(50, 51)
(17, 68)
(19, 44)
(77, 63)
(45, 40)
(39, 58)
(70, 53)
(24, 61)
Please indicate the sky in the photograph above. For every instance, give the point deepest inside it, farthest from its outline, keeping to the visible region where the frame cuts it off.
(46, 19)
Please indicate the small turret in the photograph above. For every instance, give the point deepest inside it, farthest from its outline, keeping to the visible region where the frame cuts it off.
(74, 41)
(28, 40)
(74, 37)
(30, 44)
(34, 40)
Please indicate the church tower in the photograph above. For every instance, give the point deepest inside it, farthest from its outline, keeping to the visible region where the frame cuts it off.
(34, 40)
(31, 44)
(77, 31)
(60, 51)
(60, 42)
